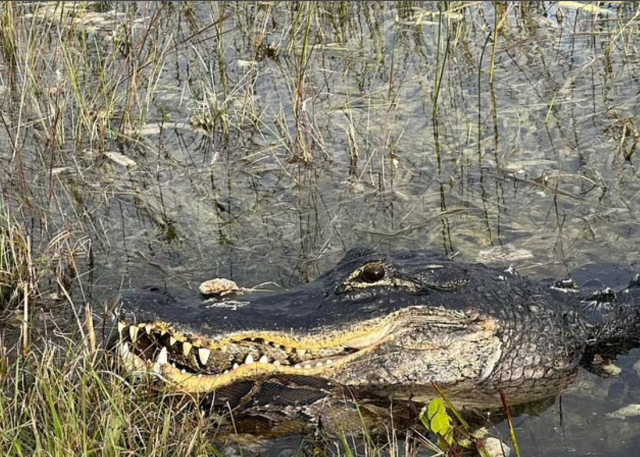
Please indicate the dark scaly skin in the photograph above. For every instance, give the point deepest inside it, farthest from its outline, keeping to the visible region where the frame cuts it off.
(392, 324)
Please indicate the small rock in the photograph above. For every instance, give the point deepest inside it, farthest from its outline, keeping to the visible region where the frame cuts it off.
(610, 369)
(219, 286)
(496, 448)
(503, 254)
(625, 412)
(120, 159)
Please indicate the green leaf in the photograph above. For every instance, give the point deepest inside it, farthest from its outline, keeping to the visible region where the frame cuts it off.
(436, 407)
(438, 421)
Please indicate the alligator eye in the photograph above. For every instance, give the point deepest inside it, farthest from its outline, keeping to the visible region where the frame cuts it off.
(372, 273)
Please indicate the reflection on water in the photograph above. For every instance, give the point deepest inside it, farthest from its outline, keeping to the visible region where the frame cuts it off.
(268, 138)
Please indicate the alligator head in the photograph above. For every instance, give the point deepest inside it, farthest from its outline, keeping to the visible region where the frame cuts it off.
(387, 324)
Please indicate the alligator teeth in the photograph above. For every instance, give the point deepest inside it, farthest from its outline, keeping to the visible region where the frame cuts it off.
(301, 351)
(235, 366)
(121, 326)
(172, 341)
(148, 328)
(163, 357)
(264, 359)
(133, 333)
(156, 368)
(276, 363)
(204, 354)
(163, 332)
(226, 371)
(248, 360)
(186, 348)
(297, 366)
(124, 350)
(318, 365)
(307, 366)
(329, 362)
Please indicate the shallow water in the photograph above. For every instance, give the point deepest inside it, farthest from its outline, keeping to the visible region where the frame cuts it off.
(529, 158)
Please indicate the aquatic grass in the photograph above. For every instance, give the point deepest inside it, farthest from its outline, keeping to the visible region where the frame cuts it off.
(441, 57)
(302, 144)
(18, 273)
(88, 92)
(441, 61)
(35, 272)
(89, 86)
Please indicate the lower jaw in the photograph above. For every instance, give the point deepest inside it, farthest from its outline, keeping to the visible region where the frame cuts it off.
(186, 382)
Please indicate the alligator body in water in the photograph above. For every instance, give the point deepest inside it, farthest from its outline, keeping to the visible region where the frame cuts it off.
(378, 327)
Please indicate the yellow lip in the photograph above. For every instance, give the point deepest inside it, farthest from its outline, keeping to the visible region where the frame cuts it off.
(183, 381)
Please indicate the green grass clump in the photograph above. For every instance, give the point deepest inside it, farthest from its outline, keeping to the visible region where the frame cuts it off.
(61, 401)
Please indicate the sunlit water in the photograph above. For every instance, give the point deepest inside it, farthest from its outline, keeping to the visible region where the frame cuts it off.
(529, 158)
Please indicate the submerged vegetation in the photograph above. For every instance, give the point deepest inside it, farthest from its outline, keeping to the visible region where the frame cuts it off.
(173, 142)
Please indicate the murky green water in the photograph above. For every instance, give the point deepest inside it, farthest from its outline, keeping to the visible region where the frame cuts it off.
(423, 132)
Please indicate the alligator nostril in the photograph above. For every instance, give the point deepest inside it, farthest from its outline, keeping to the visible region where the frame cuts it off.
(373, 272)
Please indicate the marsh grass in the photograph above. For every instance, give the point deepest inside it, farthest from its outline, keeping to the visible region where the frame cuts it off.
(61, 400)
(18, 273)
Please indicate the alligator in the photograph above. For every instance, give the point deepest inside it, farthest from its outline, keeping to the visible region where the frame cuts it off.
(378, 328)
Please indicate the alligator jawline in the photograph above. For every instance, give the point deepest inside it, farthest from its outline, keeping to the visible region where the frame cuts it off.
(196, 365)
(187, 382)
(155, 350)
